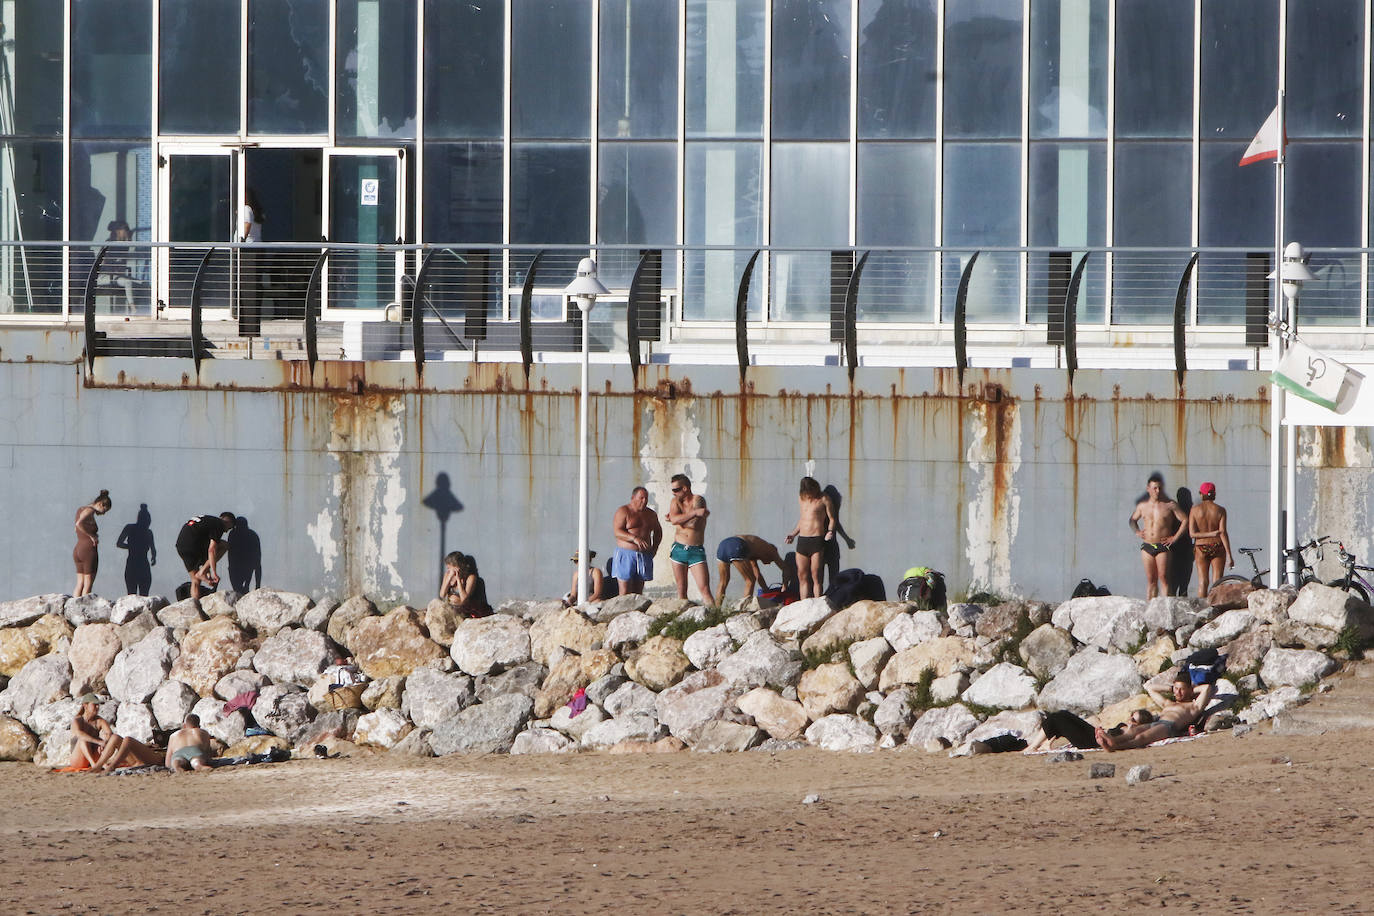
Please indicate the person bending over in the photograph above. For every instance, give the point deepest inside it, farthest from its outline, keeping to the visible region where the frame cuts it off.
(200, 544)
(745, 552)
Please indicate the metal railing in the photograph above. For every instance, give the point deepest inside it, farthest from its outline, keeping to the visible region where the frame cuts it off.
(427, 302)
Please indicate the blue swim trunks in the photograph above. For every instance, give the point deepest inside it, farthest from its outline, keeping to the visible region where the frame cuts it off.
(631, 565)
(731, 549)
(687, 556)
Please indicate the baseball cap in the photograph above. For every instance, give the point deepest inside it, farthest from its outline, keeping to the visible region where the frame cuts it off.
(1208, 489)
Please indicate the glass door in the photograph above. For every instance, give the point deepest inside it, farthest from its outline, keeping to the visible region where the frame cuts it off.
(198, 186)
(365, 204)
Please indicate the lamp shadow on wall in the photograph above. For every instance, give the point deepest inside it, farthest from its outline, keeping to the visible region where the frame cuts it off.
(245, 557)
(137, 538)
(443, 503)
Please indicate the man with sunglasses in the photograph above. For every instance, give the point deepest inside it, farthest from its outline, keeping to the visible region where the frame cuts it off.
(688, 512)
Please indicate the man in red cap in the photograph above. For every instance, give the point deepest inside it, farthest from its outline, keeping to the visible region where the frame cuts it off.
(1211, 544)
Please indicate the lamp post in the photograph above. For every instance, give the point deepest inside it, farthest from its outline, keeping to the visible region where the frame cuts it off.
(584, 289)
(1292, 273)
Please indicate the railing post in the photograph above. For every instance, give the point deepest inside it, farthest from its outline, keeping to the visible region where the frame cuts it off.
(89, 314)
(197, 338)
(742, 316)
(851, 317)
(1181, 319)
(961, 319)
(309, 326)
(1071, 317)
(526, 311)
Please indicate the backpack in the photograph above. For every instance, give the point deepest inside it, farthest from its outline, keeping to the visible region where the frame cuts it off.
(923, 587)
(1204, 666)
(846, 588)
(1086, 589)
(184, 590)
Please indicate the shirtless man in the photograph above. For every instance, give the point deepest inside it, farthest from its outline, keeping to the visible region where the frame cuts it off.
(1211, 543)
(745, 552)
(1158, 522)
(814, 528)
(189, 747)
(1184, 710)
(688, 512)
(89, 734)
(637, 536)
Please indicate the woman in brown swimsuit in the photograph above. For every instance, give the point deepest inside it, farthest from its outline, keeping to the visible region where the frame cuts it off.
(84, 555)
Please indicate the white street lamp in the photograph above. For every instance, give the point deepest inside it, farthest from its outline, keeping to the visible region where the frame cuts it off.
(1292, 273)
(584, 289)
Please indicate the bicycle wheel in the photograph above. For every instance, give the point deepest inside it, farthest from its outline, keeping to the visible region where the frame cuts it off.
(1234, 578)
(1355, 588)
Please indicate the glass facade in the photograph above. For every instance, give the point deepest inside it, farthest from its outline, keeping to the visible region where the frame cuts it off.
(1035, 132)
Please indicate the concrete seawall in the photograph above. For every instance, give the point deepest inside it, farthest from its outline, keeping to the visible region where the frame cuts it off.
(360, 476)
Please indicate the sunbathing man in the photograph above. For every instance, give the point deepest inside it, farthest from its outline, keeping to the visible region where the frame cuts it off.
(1174, 719)
(89, 734)
(189, 747)
(1079, 734)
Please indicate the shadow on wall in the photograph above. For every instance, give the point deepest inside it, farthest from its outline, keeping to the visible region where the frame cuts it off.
(1181, 552)
(137, 538)
(443, 504)
(832, 546)
(245, 557)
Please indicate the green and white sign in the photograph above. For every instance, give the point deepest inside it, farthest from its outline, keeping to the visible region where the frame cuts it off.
(1310, 375)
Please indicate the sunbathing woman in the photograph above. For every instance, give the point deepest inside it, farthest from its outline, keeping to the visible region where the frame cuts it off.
(122, 751)
(89, 734)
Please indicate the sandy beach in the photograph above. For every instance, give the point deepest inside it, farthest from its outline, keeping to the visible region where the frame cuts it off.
(1254, 824)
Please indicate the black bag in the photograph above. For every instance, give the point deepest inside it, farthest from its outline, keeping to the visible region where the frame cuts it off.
(926, 590)
(1086, 589)
(184, 590)
(1204, 666)
(846, 587)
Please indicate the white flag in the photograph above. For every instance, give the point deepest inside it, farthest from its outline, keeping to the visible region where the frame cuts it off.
(1266, 142)
(1310, 375)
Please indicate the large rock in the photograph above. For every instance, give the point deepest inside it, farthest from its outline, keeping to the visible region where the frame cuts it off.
(1002, 620)
(628, 630)
(1230, 596)
(135, 720)
(963, 618)
(1291, 634)
(282, 710)
(227, 727)
(842, 732)
(382, 694)
(1105, 621)
(415, 744)
(1320, 605)
(294, 656)
(706, 648)
(1003, 686)
(237, 682)
(906, 631)
(220, 603)
(631, 699)
(268, 610)
(827, 689)
(542, 741)
(130, 606)
(952, 723)
(601, 688)
(524, 679)
(488, 728)
(317, 618)
(87, 609)
(575, 726)
(615, 731)
(1245, 653)
(25, 611)
(611, 608)
(140, 669)
(944, 655)
(801, 617)
(1158, 655)
(1167, 613)
(54, 750)
(209, 651)
(1271, 604)
(895, 713)
(762, 661)
(1295, 667)
(868, 659)
(566, 629)
(59, 714)
(393, 645)
(1008, 722)
(328, 727)
(134, 629)
(782, 719)
(721, 737)
(488, 644)
(345, 616)
(701, 697)
(16, 742)
(171, 702)
(1222, 630)
(42, 681)
(566, 676)
(1271, 704)
(529, 609)
(50, 633)
(658, 664)
(432, 697)
(861, 620)
(383, 728)
(442, 620)
(16, 651)
(93, 650)
(1046, 650)
(1090, 681)
(180, 616)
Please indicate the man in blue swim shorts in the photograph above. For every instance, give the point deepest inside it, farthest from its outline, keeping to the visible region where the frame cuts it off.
(637, 536)
(688, 512)
(745, 552)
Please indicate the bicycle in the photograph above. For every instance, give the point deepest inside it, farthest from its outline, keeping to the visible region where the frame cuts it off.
(1306, 573)
(1353, 581)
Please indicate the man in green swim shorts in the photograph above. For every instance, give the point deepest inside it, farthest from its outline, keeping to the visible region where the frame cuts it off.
(688, 512)
(189, 747)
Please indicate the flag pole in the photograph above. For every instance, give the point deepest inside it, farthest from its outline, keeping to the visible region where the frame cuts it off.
(1276, 348)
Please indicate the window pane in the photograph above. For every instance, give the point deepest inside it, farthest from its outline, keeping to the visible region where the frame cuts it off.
(725, 68)
(897, 70)
(551, 63)
(724, 184)
(810, 198)
(1068, 68)
(1325, 68)
(982, 191)
(31, 278)
(112, 59)
(811, 69)
(1239, 68)
(32, 52)
(1154, 68)
(464, 61)
(463, 192)
(288, 66)
(1068, 194)
(639, 68)
(896, 194)
(1322, 194)
(550, 185)
(1236, 205)
(1162, 175)
(199, 46)
(111, 201)
(376, 61)
(983, 68)
(636, 204)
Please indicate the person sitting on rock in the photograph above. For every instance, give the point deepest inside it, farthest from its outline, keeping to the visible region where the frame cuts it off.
(189, 747)
(1174, 721)
(89, 734)
(1077, 731)
(463, 588)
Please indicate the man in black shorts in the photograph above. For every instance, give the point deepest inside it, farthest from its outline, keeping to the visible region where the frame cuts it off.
(200, 544)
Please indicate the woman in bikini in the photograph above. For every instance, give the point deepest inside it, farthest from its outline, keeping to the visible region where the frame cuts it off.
(85, 555)
(1211, 543)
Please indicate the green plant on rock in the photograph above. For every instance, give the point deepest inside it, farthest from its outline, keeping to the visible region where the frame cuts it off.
(684, 625)
(1352, 643)
(920, 698)
(823, 655)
